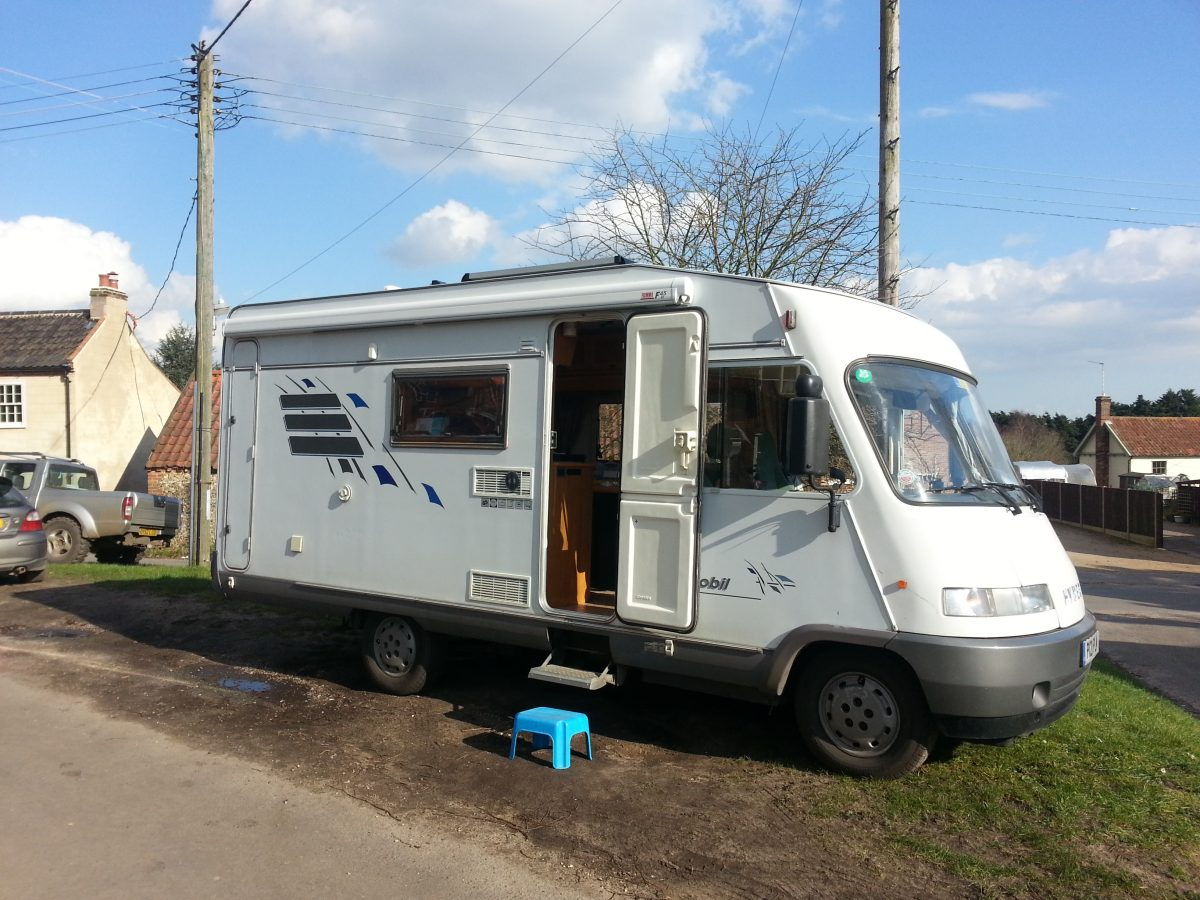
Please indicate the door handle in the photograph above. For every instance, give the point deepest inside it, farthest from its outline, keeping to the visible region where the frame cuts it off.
(685, 446)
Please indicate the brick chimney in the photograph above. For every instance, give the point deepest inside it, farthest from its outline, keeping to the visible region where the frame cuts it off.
(107, 300)
(1103, 416)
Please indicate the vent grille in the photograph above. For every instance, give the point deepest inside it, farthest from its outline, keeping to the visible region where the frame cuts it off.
(492, 588)
(493, 482)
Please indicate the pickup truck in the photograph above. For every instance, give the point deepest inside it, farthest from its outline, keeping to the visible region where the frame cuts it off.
(117, 526)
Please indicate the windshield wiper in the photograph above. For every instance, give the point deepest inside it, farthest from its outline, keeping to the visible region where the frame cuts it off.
(1000, 488)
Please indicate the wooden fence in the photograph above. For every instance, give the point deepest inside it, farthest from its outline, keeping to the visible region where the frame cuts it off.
(1133, 515)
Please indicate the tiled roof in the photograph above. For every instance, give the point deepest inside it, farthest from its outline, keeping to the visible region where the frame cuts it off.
(173, 450)
(42, 340)
(1158, 435)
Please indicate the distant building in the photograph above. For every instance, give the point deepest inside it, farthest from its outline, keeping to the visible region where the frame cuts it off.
(169, 468)
(77, 383)
(1151, 445)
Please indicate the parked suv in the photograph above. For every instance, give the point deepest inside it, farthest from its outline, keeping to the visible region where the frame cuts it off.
(22, 539)
(117, 526)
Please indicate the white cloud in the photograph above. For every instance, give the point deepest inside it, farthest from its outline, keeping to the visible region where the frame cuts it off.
(644, 66)
(1011, 101)
(1131, 302)
(451, 232)
(935, 112)
(52, 263)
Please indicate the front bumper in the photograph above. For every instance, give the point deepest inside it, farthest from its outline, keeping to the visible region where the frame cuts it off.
(998, 688)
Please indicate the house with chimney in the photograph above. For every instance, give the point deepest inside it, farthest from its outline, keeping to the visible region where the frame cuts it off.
(1149, 445)
(77, 383)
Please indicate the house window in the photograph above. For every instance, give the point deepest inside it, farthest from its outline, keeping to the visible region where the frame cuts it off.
(745, 422)
(1158, 467)
(449, 408)
(12, 404)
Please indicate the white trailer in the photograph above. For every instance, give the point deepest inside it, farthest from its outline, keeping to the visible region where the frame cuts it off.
(627, 466)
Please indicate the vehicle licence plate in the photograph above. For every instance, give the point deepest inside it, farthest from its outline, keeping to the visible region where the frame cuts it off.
(1088, 648)
(148, 532)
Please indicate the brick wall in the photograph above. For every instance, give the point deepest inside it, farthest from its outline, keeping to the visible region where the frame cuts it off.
(177, 483)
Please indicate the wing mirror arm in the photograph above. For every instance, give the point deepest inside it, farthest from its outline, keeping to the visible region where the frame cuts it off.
(836, 479)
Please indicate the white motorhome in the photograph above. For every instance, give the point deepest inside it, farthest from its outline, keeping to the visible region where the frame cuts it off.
(628, 467)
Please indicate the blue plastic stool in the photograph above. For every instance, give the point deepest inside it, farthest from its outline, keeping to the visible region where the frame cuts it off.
(553, 728)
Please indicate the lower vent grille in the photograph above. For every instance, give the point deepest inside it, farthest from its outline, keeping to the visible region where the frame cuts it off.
(492, 588)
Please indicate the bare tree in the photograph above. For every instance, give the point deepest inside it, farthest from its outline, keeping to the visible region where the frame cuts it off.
(777, 209)
(1027, 439)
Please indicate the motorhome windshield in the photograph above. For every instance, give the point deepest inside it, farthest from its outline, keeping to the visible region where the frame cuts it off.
(934, 436)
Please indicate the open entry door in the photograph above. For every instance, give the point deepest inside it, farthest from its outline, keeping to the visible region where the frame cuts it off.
(240, 387)
(660, 468)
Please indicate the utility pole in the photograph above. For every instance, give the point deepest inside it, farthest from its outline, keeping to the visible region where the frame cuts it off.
(889, 151)
(201, 527)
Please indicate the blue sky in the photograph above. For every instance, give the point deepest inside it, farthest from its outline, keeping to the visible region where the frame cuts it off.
(1086, 111)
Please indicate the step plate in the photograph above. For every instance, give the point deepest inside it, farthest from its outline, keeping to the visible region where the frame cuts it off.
(580, 678)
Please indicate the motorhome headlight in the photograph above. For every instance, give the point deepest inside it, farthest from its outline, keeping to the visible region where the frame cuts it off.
(1014, 601)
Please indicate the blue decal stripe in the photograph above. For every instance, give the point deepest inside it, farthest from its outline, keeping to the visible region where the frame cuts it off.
(432, 494)
(384, 476)
(358, 401)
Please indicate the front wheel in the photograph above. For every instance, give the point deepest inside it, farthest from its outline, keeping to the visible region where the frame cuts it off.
(862, 713)
(400, 656)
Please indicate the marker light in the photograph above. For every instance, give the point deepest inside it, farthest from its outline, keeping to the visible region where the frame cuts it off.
(1014, 601)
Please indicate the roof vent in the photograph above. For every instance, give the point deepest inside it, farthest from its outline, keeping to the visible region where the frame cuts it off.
(575, 265)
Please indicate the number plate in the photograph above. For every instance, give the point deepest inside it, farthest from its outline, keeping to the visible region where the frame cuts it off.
(149, 532)
(2, 523)
(1088, 648)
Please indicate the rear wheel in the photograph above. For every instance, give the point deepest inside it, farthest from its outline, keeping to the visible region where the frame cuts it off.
(65, 541)
(862, 713)
(399, 655)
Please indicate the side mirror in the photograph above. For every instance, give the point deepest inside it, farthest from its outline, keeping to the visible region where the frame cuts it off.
(806, 445)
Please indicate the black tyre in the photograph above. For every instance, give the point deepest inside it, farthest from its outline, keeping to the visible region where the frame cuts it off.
(862, 713)
(399, 655)
(66, 543)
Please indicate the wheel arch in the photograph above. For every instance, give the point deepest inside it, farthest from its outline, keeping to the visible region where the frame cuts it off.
(806, 643)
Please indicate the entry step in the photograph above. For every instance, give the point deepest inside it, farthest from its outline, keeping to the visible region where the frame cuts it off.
(581, 678)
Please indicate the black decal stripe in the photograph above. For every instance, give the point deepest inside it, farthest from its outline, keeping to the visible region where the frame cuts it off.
(359, 470)
(309, 401)
(328, 463)
(324, 446)
(344, 465)
(316, 422)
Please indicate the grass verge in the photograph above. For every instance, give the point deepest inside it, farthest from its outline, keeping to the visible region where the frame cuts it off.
(1104, 802)
(168, 580)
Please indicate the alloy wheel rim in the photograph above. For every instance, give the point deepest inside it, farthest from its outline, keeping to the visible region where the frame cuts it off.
(59, 540)
(859, 714)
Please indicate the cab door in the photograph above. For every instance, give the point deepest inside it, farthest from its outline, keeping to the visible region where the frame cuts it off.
(660, 468)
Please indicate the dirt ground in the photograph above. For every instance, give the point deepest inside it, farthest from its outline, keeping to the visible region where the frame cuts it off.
(688, 796)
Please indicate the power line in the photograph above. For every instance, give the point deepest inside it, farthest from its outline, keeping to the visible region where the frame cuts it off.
(174, 257)
(166, 62)
(35, 137)
(238, 15)
(110, 112)
(412, 184)
(1045, 187)
(392, 137)
(778, 67)
(399, 112)
(927, 162)
(98, 87)
(1133, 209)
(98, 97)
(1042, 212)
(58, 106)
(409, 128)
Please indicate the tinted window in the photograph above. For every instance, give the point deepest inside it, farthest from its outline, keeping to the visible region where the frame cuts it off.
(19, 473)
(71, 478)
(449, 408)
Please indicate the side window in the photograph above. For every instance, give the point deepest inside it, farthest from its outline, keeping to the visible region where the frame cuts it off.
(70, 478)
(20, 474)
(744, 429)
(449, 408)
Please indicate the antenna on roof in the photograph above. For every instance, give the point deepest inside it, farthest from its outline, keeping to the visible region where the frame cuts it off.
(1096, 362)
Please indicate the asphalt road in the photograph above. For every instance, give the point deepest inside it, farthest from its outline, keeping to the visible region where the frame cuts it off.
(100, 807)
(1148, 605)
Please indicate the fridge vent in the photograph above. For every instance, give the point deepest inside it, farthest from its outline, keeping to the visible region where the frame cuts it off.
(496, 482)
(491, 588)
